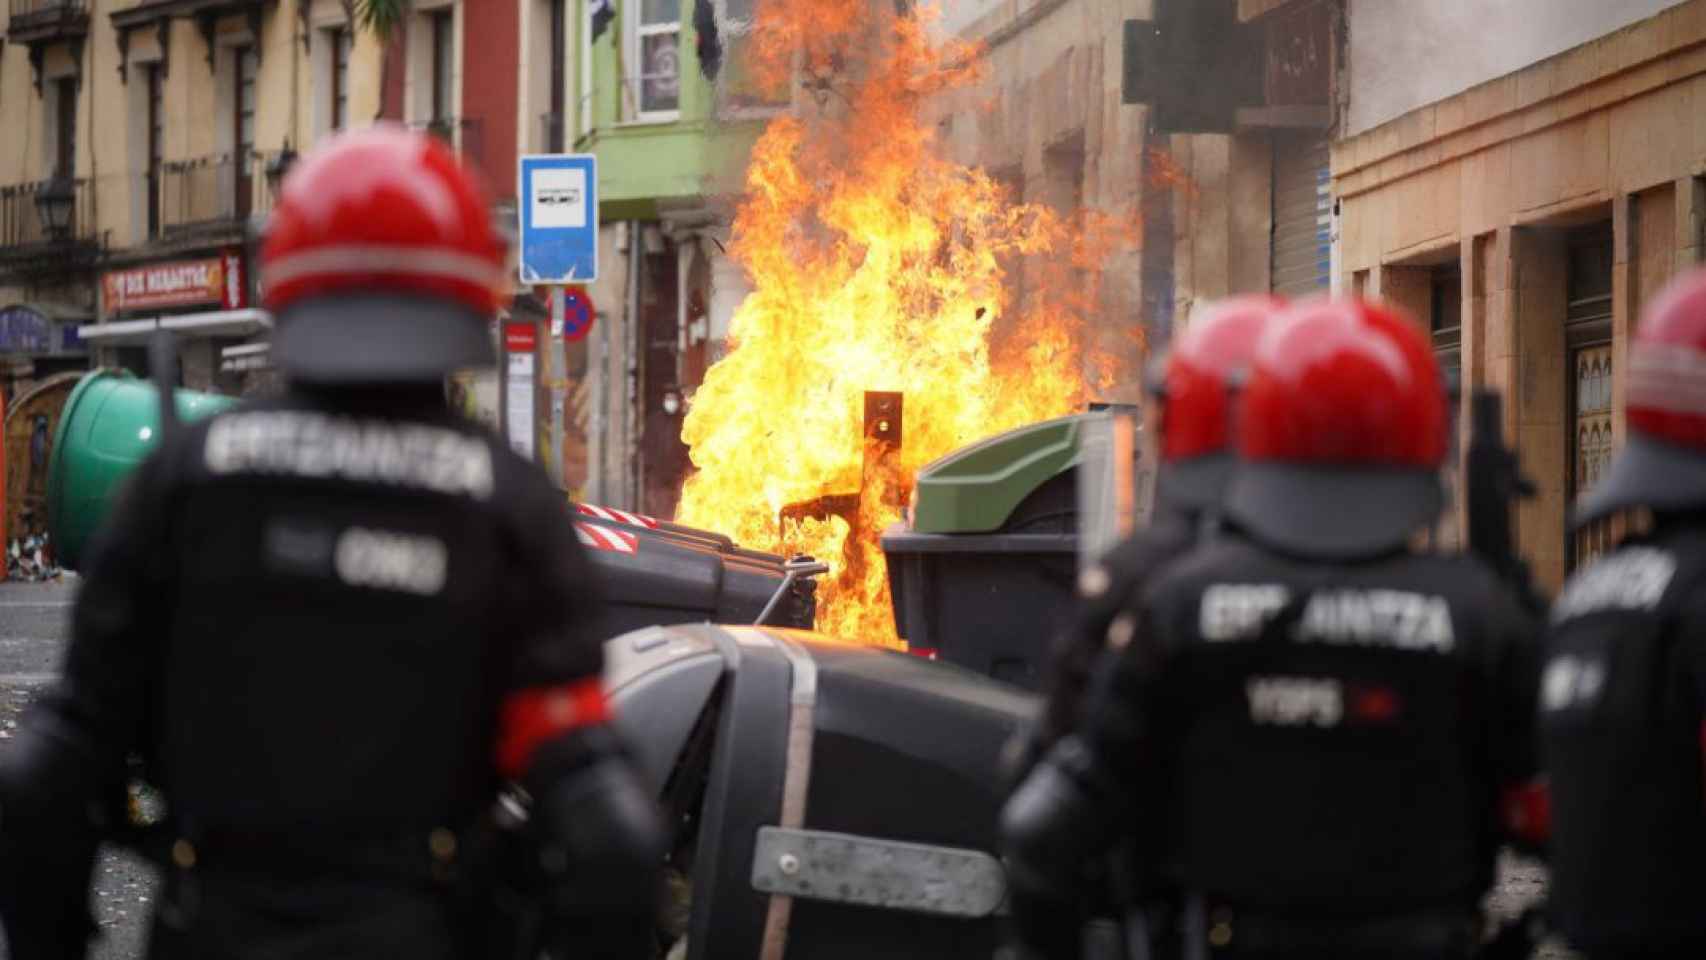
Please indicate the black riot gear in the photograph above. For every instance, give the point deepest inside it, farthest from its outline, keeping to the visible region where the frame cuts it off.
(330, 625)
(1622, 685)
(1625, 671)
(1304, 747)
(1192, 392)
(1309, 732)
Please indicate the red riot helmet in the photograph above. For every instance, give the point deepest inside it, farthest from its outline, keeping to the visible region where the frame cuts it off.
(381, 263)
(1343, 429)
(1195, 386)
(1663, 464)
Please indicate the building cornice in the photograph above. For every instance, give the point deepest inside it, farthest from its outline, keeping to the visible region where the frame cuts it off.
(1662, 50)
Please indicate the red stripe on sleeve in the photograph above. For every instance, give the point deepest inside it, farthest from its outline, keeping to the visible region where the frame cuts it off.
(531, 717)
(1528, 812)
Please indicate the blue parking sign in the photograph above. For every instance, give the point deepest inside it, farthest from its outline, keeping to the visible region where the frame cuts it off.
(558, 209)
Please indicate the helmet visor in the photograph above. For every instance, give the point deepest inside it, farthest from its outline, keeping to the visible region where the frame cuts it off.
(1332, 512)
(379, 339)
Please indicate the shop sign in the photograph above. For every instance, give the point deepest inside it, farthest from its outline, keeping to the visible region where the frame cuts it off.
(25, 330)
(178, 283)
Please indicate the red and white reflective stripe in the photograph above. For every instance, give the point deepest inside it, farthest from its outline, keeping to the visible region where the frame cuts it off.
(604, 538)
(531, 717)
(322, 263)
(617, 516)
(1668, 378)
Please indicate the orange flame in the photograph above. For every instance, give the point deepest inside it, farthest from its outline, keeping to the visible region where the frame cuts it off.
(876, 265)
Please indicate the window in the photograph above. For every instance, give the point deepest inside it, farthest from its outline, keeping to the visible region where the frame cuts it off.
(156, 143)
(653, 60)
(1445, 323)
(65, 127)
(340, 39)
(443, 65)
(1445, 305)
(559, 76)
(243, 130)
(1587, 333)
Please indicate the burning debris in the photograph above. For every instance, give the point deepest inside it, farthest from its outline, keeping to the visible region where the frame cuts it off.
(880, 270)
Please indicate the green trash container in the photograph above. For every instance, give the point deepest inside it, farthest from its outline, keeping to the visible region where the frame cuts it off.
(110, 423)
(984, 574)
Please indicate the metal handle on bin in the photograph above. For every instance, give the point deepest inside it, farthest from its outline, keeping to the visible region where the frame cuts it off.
(795, 569)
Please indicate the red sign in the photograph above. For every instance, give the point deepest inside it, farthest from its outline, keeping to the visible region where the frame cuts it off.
(578, 314)
(177, 283)
(518, 338)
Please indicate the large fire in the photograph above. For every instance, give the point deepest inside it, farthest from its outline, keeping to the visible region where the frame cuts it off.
(877, 264)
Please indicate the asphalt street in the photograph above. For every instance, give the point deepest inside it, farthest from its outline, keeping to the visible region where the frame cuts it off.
(34, 622)
(34, 625)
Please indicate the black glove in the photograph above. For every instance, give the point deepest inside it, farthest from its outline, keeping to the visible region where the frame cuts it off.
(601, 848)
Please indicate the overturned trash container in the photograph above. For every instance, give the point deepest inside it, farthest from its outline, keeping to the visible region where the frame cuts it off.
(109, 425)
(654, 572)
(983, 573)
(792, 768)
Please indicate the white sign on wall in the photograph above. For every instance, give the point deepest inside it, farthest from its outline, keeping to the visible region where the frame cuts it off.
(520, 403)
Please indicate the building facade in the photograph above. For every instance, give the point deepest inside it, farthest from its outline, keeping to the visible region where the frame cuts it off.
(672, 147)
(1526, 201)
(167, 124)
(1208, 119)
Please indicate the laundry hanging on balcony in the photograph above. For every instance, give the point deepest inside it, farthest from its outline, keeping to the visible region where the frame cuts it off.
(709, 44)
(602, 11)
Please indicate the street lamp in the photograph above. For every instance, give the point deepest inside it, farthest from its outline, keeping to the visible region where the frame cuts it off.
(54, 204)
(278, 165)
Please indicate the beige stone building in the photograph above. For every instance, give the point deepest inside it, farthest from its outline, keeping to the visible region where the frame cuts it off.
(1223, 158)
(1526, 201)
(143, 142)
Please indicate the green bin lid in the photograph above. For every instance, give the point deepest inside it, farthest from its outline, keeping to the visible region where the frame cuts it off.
(108, 426)
(976, 488)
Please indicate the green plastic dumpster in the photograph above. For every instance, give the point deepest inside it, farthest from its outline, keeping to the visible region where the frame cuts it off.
(110, 423)
(984, 574)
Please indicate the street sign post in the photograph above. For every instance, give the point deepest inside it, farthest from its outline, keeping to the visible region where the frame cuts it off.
(558, 210)
(558, 246)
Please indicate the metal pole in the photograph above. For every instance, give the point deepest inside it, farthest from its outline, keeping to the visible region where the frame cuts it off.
(633, 336)
(541, 394)
(556, 384)
(503, 379)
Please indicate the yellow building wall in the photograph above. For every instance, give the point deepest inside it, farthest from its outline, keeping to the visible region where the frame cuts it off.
(1492, 177)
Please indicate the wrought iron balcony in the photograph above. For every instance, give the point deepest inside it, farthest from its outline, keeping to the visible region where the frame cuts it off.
(46, 213)
(216, 193)
(36, 21)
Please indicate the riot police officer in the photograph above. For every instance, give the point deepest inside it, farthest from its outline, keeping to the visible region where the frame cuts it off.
(1624, 676)
(1191, 394)
(333, 624)
(1309, 727)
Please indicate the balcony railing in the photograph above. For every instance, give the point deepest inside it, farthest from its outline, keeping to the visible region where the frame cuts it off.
(24, 220)
(221, 190)
(43, 17)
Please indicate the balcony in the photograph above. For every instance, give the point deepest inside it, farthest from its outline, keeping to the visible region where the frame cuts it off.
(213, 195)
(43, 21)
(48, 226)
